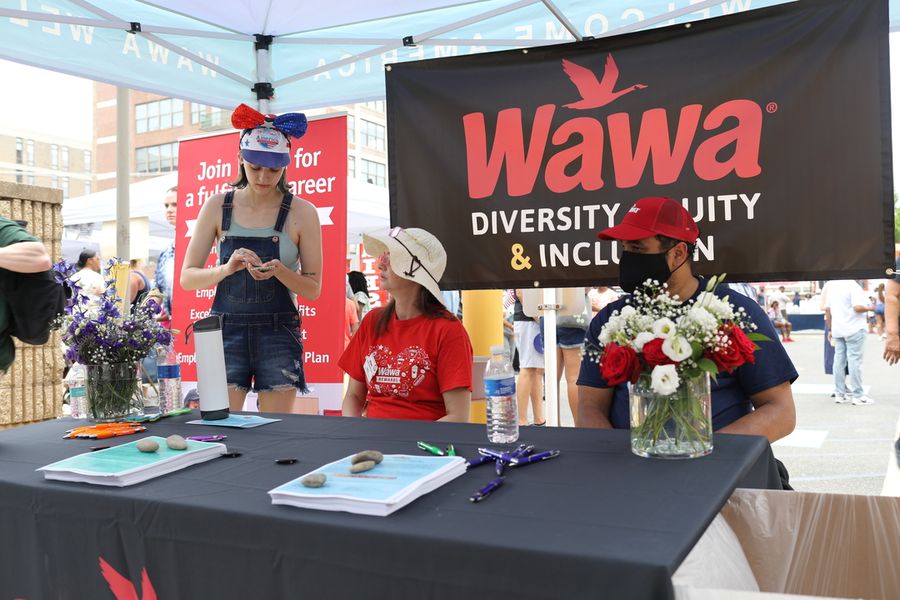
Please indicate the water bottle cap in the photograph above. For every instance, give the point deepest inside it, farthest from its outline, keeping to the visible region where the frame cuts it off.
(498, 349)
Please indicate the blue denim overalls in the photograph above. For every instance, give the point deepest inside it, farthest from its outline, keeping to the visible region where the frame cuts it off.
(261, 327)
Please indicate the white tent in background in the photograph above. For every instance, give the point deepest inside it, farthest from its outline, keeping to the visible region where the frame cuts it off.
(83, 216)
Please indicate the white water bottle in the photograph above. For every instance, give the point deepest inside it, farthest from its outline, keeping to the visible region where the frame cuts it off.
(500, 391)
(168, 372)
(77, 391)
(211, 381)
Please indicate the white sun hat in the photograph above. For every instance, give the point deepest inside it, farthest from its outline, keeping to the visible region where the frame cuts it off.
(416, 255)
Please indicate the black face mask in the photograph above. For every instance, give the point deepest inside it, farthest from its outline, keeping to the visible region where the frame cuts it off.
(635, 268)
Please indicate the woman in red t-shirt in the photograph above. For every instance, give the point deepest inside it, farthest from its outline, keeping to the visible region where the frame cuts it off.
(410, 359)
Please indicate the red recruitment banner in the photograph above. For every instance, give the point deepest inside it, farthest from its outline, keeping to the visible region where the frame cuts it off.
(318, 173)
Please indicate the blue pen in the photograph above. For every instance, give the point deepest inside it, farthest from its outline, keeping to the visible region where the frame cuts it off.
(481, 460)
(522, 450)
(527, 460)
(486, 490)
(498, 467)
(504, 456)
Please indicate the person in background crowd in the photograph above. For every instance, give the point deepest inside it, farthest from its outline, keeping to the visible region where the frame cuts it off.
(351, 316)
(270, 251)
(165, 269)
(658, 237)
(149, 270)
(88, 276)
(845, 314)
(138, 284)
(761, 296)
(20, 252)
(529, 387)
(796, 299)
(879, 310)
(600, 296)
(743, 288)
(360, 287)
(892, 318)
(776, 315)
(411, 359)
(783, 301)
(569, 343)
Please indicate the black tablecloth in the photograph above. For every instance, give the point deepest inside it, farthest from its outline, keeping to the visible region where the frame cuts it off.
(597, 522)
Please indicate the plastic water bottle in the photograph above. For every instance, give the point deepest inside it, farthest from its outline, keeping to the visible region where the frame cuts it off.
(168, 372)
(500, 390)
(77, 391)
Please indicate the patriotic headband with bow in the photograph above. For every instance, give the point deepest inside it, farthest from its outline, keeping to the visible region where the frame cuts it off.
(265, 139)
(292, 124)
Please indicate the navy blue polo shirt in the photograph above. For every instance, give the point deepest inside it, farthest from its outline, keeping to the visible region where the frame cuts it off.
(730, 391)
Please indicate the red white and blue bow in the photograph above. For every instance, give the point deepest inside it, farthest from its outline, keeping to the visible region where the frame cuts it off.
(290, 124)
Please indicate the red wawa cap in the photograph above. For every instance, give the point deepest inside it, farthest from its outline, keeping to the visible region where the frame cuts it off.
(654, 216)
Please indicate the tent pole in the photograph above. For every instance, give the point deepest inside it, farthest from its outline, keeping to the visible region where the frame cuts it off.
(123, 152)
(263, 87)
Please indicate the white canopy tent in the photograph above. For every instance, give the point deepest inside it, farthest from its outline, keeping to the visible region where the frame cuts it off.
(298, 54)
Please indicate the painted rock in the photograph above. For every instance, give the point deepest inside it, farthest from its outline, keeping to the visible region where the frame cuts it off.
(373, 455)
(147, 445)
(314, 480)
(362, 466)
(176, 442)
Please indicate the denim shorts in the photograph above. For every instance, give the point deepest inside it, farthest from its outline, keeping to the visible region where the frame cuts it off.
(263, 352)
(569, 337)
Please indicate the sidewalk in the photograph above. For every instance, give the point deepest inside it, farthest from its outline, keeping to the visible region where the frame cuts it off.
(842, 448)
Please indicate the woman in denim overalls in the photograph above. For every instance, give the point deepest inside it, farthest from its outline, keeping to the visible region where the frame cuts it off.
(264, 235)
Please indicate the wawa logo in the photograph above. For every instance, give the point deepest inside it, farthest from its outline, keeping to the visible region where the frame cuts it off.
(694, 142)
(122, 587)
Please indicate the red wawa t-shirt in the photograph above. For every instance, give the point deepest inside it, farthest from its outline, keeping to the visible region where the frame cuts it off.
(410, 365)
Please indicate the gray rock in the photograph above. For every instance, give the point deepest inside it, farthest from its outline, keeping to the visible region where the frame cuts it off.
(373, 455)
(147, 445)
(362, 466)
(314, 480)
(176, 442)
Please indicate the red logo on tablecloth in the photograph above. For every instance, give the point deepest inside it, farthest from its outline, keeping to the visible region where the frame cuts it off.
(122, 587)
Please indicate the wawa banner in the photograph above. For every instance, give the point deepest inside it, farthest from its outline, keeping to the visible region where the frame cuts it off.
(318, 173)
(772, 127)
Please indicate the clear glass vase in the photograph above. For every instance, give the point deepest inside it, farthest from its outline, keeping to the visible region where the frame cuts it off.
(678, 425)
(113, 391)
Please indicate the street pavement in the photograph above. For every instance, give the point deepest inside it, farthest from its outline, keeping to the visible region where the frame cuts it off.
(841, 448)
(835, 448)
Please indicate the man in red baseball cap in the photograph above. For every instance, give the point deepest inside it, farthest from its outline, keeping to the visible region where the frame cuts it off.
(653, 231)
(657, 236)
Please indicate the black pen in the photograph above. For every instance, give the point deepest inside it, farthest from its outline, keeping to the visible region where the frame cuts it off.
(486, 490)
(527, 460)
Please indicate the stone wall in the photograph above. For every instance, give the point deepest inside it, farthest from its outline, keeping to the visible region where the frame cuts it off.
(32, 388)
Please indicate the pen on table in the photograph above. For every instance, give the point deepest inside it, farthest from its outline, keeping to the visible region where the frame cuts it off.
(480, 460)
(527, 460)
(504, 456)
(207, 438)
(181, 411)
(429, 448)
(498, 466)
(451, 451)
(522, 450)
(486, 490)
